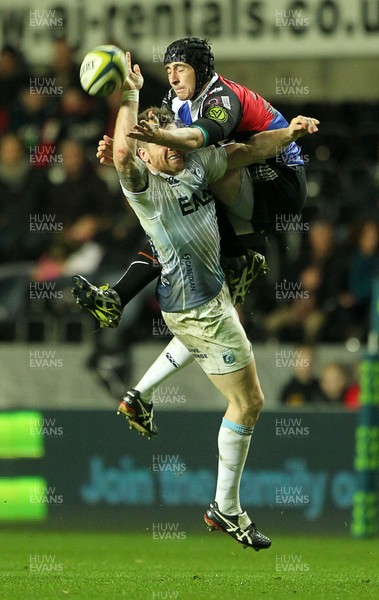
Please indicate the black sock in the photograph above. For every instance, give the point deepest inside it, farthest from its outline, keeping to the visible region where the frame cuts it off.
(141, 271)
(230, 245)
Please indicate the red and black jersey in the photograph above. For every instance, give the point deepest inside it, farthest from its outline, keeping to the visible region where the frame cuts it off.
(226, 110)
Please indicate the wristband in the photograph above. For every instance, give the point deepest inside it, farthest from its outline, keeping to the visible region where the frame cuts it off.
(130, 96)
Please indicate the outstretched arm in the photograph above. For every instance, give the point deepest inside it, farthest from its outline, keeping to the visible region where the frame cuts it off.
(189, 138)
(183, 138)
(269, 143)
(132, 171)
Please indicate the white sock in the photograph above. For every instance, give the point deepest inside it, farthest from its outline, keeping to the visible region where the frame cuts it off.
(173, 358)
(233, 446)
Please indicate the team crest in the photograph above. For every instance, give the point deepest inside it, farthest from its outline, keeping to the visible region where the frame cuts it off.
(196, 171)
(217, 113)
(228, 357)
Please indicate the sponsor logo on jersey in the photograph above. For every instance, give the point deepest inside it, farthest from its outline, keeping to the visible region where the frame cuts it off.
(172, 182)
(217, 113)
(196, 353)
(191, 205)
(216, 89)
(215, 101)
(186, 259)
(228, 357)
(226, 102)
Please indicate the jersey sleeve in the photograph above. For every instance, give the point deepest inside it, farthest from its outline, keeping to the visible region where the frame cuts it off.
(214, 162)
(220, 114)
(143, 195)
(135, 196)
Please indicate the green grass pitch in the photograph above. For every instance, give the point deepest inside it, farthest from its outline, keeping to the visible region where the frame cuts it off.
(50, 565)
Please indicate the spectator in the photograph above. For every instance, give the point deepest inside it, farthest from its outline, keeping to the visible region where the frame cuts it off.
(81, 118)
(352, 396)
(310, 284)
(22, 194)
(351, 311)
(303, 388)
(32, 117)
(334, 383)
(64, 70)
(13, 75)
(82, 207)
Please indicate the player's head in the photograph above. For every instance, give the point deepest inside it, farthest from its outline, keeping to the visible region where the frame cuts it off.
(160, 158)
(197, 54)
(165, 118)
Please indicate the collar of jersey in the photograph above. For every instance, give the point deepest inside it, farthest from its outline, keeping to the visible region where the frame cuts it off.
(200, 98)
(166, 175)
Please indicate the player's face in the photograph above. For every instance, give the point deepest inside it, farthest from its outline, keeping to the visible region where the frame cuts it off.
(182, 79)
(165, 160)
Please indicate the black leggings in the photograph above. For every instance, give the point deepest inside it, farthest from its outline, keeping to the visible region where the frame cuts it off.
(279, 197)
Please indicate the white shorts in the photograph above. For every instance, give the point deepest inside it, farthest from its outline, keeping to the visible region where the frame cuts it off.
(213, 334)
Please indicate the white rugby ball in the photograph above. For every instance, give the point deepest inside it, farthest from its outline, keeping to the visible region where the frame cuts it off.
(103, 70)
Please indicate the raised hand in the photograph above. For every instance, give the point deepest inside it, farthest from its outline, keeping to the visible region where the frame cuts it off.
(134, 79)
(300, 126)
(105, 151)
(147, 131)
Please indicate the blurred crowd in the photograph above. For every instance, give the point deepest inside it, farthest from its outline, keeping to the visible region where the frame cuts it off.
(62, 213)
(335, 386)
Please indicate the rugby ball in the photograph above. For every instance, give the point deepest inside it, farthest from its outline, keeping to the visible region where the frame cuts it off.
(103, 70)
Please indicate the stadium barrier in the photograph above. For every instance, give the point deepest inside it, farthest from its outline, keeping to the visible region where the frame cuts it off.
(86, 469)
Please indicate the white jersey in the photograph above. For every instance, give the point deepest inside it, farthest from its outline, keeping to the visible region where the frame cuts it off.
(178, 214)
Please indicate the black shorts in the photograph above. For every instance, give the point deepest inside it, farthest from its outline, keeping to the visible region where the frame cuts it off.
(279, 191)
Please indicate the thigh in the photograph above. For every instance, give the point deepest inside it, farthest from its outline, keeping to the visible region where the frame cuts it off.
(236, 192)
(240, 386)
(227, 188)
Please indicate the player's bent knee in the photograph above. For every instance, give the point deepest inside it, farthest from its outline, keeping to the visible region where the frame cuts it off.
(254, 405)
(257, 402)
